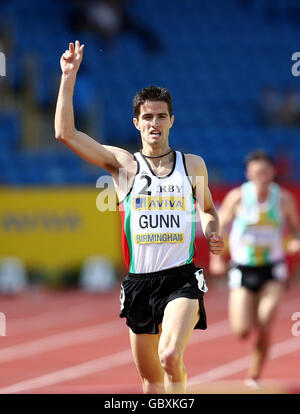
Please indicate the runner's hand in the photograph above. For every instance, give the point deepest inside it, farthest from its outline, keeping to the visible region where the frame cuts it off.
(71, 59)
(293, 246)
(215, 243)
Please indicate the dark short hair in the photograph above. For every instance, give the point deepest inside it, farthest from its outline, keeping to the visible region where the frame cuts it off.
(152, 93)
(259, 155)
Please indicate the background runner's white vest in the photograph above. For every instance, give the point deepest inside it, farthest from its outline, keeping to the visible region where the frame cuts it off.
(158, 218)
(256, 235)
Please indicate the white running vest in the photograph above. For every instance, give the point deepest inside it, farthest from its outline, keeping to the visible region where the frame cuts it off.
(256, 234)
(158, 219)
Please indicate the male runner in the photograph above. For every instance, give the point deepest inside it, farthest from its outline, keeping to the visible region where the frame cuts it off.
(162, 296)
(257, 211)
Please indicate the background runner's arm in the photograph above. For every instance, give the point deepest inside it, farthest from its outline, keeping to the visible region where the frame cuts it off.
(289, 209)
(227, 211)
(110, 158)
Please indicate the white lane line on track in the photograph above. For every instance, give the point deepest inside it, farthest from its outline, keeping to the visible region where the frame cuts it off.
(53, 318)
(89, 334)
(217, 329)
(238, 365)
(104, 330)
(74, 313)
(222, 328)
(125, 357)
(62, 340)
(71, 373)
(34, 302)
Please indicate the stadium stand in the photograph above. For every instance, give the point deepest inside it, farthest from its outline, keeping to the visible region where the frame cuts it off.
(216, 80)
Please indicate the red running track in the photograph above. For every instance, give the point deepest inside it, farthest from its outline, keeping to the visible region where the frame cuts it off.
(74, 342)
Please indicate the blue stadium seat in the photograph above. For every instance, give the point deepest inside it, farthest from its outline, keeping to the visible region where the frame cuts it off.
(9, 130)
(215, 68)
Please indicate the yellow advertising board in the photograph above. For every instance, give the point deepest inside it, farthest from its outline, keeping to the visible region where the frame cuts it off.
(57, 227)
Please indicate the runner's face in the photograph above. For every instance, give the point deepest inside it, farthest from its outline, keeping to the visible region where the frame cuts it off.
(154, 122)
(262, 173)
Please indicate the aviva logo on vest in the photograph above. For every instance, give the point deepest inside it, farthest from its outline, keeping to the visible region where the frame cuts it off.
(158, 203)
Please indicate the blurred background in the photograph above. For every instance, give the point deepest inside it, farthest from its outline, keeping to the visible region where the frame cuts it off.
(227, 64)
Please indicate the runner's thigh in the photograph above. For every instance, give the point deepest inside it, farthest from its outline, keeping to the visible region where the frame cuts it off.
(180, 317)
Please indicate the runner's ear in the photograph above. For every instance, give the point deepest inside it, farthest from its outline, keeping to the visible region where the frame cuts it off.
(172, 121)
(136, 123)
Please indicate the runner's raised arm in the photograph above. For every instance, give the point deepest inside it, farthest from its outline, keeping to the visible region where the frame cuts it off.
(104, 156)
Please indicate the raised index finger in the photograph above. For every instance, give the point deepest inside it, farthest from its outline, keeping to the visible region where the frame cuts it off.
(77, 45)
(71, 47)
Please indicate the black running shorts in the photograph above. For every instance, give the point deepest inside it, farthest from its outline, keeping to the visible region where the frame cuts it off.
(144, 296)
(254, 277)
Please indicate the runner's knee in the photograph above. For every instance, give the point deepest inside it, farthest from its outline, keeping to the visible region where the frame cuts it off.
(266, 315)
(152, 387)
(171, 360)
(242, 332)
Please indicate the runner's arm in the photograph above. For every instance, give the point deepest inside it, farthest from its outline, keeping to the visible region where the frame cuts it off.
(289, 209)
(110, 158)
(208, 214)
(228, 208)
